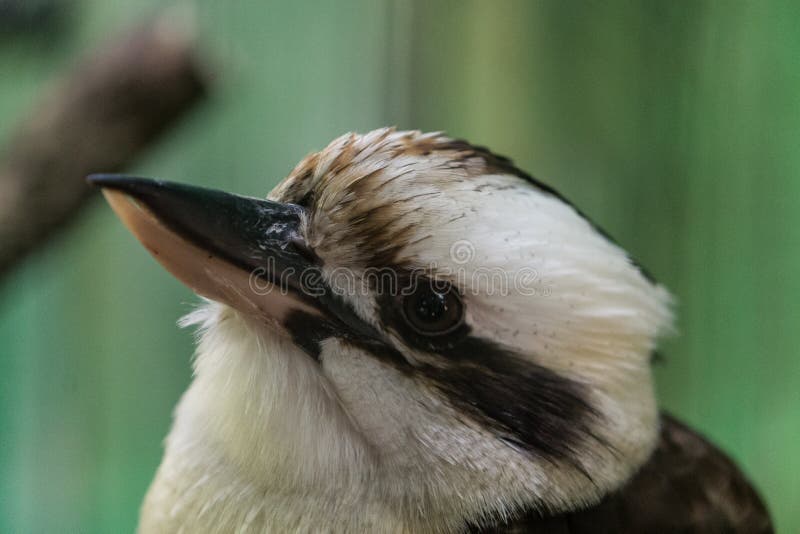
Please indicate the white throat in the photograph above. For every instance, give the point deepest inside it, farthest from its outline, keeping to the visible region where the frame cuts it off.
(257, 440)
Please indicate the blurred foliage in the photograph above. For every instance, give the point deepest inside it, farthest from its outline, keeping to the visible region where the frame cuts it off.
(675, 125)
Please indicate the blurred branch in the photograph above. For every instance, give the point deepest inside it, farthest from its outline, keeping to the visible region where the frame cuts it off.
(98, 118)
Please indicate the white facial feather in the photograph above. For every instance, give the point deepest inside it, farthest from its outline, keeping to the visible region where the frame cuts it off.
(269, 439)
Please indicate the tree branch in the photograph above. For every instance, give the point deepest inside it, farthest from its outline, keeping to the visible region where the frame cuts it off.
(97, 118)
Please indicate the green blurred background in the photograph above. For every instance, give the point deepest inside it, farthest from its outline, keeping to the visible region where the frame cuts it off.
(675, 125)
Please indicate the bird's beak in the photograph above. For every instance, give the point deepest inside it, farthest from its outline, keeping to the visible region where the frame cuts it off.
(242, 251)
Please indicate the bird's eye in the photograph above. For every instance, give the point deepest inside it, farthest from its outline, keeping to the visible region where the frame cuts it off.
(431, 310)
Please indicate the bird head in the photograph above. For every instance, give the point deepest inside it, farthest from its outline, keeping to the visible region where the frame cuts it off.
(413, 317)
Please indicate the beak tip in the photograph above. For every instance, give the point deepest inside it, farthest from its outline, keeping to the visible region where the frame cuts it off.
(122, 182)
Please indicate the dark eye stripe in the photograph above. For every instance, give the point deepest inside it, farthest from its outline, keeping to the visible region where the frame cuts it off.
(530, 406)
(525, 404)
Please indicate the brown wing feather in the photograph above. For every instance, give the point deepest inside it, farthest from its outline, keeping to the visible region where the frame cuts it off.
(688, 486)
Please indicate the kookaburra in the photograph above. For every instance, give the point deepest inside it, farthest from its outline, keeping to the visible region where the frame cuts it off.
(413, 335)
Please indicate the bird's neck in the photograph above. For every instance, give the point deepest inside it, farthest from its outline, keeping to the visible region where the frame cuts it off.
(200, 488)
(255, 441)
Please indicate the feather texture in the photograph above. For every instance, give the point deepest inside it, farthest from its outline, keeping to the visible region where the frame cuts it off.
(688, 486)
